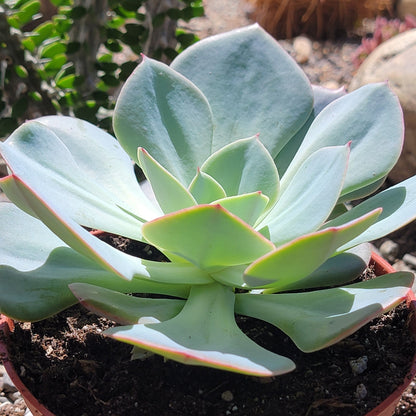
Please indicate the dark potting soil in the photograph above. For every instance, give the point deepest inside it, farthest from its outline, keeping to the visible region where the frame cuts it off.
(75, 371)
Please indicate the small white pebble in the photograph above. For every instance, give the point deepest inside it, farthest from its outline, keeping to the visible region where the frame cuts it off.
(359, 365)
(227, 396)
(360, 391)
(389, 249)
(303, 49)
(15, 396)
(410, 260)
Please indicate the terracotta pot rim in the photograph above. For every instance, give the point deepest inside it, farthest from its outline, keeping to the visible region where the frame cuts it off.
(385, 408)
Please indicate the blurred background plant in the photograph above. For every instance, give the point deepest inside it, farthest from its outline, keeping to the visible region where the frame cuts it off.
(316, 18)
(70, 56)
(384, 29)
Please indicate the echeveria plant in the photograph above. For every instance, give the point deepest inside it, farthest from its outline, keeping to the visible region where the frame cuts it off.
(251, 170)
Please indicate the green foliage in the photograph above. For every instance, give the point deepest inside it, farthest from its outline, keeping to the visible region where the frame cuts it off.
(50, 70)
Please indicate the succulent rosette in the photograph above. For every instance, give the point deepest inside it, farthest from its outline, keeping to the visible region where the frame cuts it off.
(251, 172)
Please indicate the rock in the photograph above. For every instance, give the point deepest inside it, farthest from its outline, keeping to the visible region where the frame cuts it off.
(395, 61)
(15, 396)
(3, 167)
(406, 7)
(410, 260)
(331, 84)
(359, 365)
(227, 396)
(303, 49)
(389, 250)
(401, 266)
(8, 386)
(361, 391)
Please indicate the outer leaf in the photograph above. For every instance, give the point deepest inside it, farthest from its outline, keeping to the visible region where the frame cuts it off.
(125, 309)
(337, 270)
(207, 236)
(161, 111)
(282, 267)
(306, 204)
(328, 315)
(104, 255)
(248, 207)
(231, 69)
(205, 333)
(321, 97)
(243, 167)
(36, 268)
(27, 244)
(399, 208)
(206, 189)
(40, 293)
(169, 192)
(70, 232)
(370, 118)
(102, 160)
(40, 159)
(362, 192)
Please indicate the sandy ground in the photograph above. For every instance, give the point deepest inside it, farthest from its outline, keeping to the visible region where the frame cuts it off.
(221, 16)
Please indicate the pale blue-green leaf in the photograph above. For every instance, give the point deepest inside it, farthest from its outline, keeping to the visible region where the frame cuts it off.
(295, 260)
(205, 188)
(125, 309)
(36, 268)
(170, 194)
(40, 293)
(371, 118)
(242, 167)
(102, 160)
(337, 270)
(107, 257)
(399, 208)
(321, 98)
(310, 198)
(163, 112)
(182, 273)
(362, 192)
(53, 215)
(248, 207)
(208, 236)
(338, 210)
(25, 242)
(231, 276)
(330, 314)
(252, 85)
(205, 333)
(40, 159)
